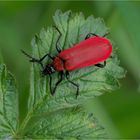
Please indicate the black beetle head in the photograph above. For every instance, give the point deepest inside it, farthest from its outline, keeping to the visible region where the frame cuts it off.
(49, 69)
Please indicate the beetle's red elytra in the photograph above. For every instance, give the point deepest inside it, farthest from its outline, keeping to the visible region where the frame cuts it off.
(92, 51)
(86, 53)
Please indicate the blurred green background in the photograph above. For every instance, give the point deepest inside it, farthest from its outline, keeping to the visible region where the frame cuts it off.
(118, 111)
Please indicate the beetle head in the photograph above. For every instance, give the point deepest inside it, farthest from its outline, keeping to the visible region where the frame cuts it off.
(49, 69)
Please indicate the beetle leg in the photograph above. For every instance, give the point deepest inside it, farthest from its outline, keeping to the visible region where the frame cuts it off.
(101, 65)
(76, 85)
(42, 58)
(106, 34)
(57, 45)
(89, 35)
(57, 83)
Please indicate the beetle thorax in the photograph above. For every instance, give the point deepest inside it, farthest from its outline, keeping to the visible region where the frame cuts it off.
(58, 64)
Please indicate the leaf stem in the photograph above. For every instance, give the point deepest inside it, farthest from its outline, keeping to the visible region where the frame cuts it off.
(24, 124)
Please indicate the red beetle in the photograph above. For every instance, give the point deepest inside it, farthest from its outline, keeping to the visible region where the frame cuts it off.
(91, 51)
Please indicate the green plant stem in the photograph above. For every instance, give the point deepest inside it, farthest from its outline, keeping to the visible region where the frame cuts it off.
(24, 124)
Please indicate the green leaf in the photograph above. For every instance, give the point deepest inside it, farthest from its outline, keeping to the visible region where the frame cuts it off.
(67, 124)
(93, 81)
(51, 111)
(8, 104)
(60, 116)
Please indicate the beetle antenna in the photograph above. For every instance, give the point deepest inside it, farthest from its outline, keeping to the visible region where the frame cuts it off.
(26, 54)
(32, 59)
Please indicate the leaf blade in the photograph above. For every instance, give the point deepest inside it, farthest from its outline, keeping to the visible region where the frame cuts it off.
(93, 81)
(69, 124)
(72, 22)
(8, 104)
